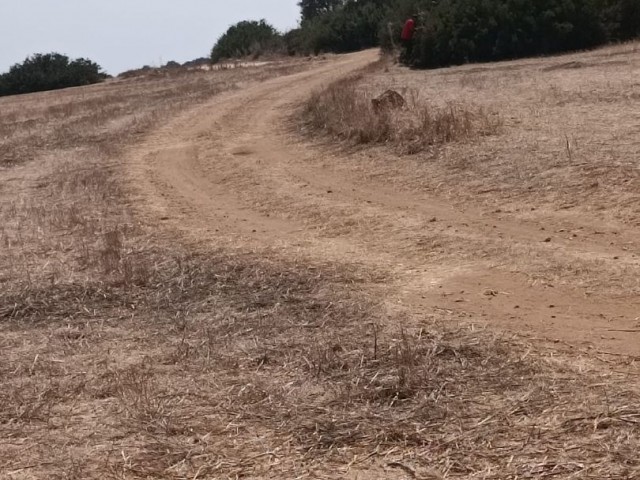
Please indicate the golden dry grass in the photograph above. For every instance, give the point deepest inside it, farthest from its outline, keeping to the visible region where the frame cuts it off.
(561, 155)
(347, 111)
(568, 134)
(128, 356)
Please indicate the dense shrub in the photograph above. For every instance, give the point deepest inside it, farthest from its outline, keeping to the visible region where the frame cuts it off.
(345, 26)
(50, 71)
(459, 31)
(295, 42)
(247, 38)
(310, 9)
(449, 31)
(622, 18)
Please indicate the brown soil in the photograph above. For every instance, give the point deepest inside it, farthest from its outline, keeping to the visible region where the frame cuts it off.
(194, 285)
(514, 259)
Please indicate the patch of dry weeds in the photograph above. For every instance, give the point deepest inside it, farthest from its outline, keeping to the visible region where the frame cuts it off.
(345, 110)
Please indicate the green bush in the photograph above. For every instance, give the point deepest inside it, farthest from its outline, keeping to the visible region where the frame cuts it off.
(311, 9)
(622, 19)
(346, 26)
(247, 38)
(49, 71)
(295, 42)
(459, 31)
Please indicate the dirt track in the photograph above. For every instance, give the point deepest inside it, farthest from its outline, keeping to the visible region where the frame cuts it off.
(230, 171)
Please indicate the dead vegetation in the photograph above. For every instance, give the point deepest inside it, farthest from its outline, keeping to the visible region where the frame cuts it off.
(224, 366)
(126, 356)
(347, 111)
(566, 138)
(111, 114)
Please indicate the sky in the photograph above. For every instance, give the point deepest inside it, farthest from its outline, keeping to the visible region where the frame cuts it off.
(123, 34)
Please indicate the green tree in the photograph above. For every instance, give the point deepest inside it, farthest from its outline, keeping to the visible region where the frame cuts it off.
(459, 31)
(622, 18)
(311, 9)
(247, 38)
(348, 26)
(50, 71)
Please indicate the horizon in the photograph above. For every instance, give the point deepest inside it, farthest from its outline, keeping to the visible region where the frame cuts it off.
(128, 36)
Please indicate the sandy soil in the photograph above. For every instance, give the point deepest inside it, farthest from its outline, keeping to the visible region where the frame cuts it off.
(521, 261)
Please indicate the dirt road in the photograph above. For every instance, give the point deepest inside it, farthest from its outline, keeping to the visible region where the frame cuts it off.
(232, 172)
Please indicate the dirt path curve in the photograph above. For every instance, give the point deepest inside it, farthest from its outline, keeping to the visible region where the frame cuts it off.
(229, 172)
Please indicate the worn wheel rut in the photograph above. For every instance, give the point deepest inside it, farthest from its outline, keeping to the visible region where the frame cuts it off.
(230, 172)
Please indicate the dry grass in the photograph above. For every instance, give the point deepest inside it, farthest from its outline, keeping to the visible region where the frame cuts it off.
(345, 110)
(111, 114)
(568, 134)
(229, 366)
(126, 356)
(564, 163)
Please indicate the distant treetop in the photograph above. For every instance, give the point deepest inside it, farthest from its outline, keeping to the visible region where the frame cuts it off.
(246, 38)
(50, 71)
(311, 9)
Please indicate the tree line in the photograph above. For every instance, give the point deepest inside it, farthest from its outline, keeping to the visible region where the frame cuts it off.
(448, 31)
(459, 31)
(51, 71)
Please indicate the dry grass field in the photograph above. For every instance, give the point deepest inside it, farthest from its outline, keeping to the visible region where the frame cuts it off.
(253, 274)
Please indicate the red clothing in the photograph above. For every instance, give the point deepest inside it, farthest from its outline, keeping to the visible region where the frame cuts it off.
(408, 30)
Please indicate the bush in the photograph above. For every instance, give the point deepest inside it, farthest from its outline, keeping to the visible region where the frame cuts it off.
(247, 38)
(311, 9)
(459, 31)
(345, 27)
(622, 19)
(295, 42)
(50, 71)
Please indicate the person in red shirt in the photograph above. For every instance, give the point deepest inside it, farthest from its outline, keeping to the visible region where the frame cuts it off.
(406, 37)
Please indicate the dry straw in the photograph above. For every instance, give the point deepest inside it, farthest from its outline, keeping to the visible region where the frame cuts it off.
(125, 357)
(345, 110)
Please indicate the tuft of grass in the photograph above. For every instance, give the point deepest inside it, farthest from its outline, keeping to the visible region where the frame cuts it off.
(345, 111)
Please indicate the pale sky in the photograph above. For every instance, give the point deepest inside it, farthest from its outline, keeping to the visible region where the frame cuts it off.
(124, 34)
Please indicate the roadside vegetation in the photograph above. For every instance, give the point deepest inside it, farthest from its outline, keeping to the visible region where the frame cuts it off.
(463, 31)
(449, 32)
